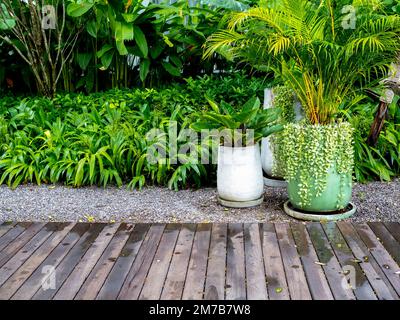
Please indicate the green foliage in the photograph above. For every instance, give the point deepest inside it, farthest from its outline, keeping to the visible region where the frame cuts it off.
(390, 6)
(6, 20)
(240, 127)
(103, 138)
(122, 44)
(312, 150)
(284, 99)
(382, 161)
(310, 47)
(139, 42)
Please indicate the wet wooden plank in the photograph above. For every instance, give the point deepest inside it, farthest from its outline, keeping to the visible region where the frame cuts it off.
(26, 251)
(255, 274)
(200, 261)
(235, 263)
(273, 264)
(92, 285)
(34, 282)
(215, 279)
(389, 242)
(317, 282)
(5, 227)
(382, 257)
(14, 246)
(175, 280)
(295, 276)
(81, 271)
(394, 229)
(115, 279)
(362, 289)
(69, 262)
(135, 280)
(373, 272)
(13, 233)
(196, 274)
(30, 265)
(331, 266)
(154, 282)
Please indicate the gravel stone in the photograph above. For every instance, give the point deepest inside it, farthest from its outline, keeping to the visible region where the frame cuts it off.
(376, 201)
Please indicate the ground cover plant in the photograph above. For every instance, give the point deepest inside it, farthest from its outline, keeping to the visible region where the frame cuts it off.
(86, 136)
(103, 139)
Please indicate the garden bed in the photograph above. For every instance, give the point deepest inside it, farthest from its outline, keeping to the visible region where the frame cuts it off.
(376, 201)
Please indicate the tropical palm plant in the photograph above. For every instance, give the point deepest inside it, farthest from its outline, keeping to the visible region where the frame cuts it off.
(324, 50)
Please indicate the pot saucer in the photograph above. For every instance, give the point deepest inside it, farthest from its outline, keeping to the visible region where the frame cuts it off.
(313, 216)
(240, 204)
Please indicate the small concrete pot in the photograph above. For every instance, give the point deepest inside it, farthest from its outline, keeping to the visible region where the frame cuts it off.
(239, 176)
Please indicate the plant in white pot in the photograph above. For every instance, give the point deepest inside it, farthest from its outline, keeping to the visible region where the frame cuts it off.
(238, 132)
(328, 58)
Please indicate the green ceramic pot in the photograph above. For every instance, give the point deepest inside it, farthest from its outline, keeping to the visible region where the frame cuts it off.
(336, 196)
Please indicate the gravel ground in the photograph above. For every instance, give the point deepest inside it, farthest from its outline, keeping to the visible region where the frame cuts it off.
(376, 202)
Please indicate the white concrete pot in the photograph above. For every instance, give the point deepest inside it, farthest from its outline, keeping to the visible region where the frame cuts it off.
(267, 157)
(239, 174)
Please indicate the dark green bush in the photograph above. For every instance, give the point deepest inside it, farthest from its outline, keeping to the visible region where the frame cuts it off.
(382, 161)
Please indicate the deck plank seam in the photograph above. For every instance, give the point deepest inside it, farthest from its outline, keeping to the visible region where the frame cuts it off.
(283, 262)
(94, 266)
(134, 260)
(169, 262)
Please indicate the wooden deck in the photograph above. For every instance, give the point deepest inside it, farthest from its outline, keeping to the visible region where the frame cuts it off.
(204, 261)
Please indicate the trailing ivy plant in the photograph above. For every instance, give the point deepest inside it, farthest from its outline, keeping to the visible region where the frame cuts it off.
(284, 99)
(311, 151)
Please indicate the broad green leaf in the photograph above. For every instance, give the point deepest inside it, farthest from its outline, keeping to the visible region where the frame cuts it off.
(107, 58)
(223, 120)
(6, 21)
(141, 40)
(129, 17)
(92, 164)
(83, 60)
(78, 9)
(203, 125)
(270, 130)
(253, 103)
(103, 50)
(91, 28)
(123, 32)
(122, 50)
(227, 108)
(157, 50)
(213, 105)
(171, 69)
(176, 61)
(144, 69)
(246, 116)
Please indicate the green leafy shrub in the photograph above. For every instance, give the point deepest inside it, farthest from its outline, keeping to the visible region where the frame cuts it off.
(235, 123)
(101, 138)
(382, 161)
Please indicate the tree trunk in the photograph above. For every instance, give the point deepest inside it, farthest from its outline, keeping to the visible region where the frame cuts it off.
(393, 87)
